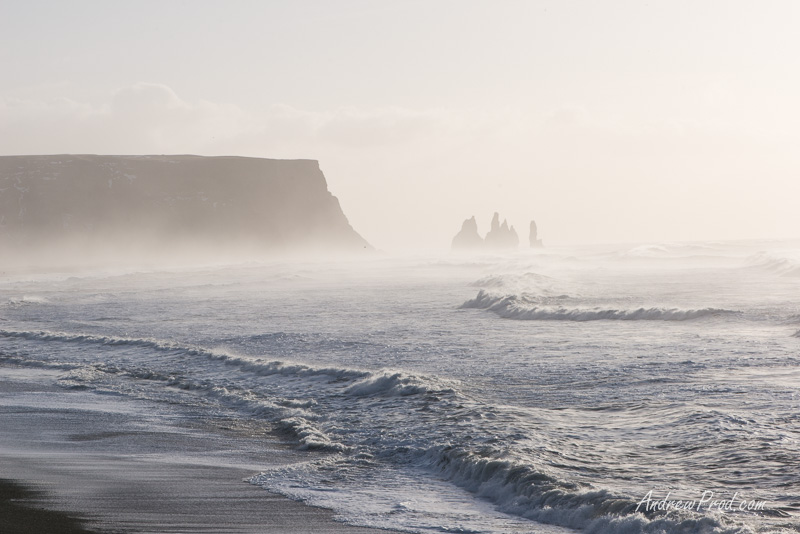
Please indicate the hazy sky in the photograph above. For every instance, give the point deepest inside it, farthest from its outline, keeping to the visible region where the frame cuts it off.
(603, 120)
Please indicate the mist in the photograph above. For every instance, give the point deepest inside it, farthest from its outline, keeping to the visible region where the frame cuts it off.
(619, 122)
(82, 209)
(269, 266)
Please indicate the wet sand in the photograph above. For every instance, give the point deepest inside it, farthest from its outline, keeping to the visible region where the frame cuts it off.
(107, 470)
(20, 513)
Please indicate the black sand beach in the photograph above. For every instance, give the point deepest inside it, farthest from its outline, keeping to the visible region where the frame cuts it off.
(20, 514)
(70, 470)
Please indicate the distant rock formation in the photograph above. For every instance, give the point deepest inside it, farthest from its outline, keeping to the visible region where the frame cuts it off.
(500, 236)
(168, 204)
(468, 237)
(533, 238)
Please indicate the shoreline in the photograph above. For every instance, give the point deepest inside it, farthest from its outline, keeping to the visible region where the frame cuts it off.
(46, 505)
(126, 468)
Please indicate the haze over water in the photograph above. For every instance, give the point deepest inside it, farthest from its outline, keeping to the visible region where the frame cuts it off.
(606, 122)
(520, 392)
(639, 373)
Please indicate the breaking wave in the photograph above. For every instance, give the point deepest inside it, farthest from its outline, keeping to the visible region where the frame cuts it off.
(26, 300)
(522, 307)
(674, 250)
(257, 366)
(513, 486)
(391, 384)
(291, 416)
(780, 263)
(323, 423)
(522, 490)
(514, 280)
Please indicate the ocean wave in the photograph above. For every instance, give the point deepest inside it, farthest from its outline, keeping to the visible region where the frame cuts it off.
(258, 366)
(21, 361)
(43, 335)
(392, 384)
(79, 377)
(26, 300)
(521, 307)
(308, 436)
(781, 263)
(526, 491)
(672, 250)
(514, 280)
(291, 416)
(355, 382)
(515, 486)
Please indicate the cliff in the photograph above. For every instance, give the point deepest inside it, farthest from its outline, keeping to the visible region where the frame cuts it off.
(164, 204)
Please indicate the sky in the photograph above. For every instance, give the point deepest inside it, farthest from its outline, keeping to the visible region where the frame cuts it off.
(612, 121)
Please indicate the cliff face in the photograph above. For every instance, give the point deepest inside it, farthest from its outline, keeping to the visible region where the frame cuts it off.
(164, 202)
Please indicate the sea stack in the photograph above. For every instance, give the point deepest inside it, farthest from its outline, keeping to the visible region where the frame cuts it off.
(535, 242)
(500, 236)
(468, 237)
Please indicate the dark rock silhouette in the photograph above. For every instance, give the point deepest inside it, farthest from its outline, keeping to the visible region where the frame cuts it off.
(533, 239)
(513, 238)
(468, 237)
(164, 204)
(500, 236)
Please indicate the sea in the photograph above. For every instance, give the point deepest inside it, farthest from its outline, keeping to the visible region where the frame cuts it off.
(649, 388)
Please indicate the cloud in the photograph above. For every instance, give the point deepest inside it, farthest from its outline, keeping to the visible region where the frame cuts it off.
(569, 169)
(153, 118)
(154, 115)
(355, 127)
(142, 118)
(147, 98)
(285, 131)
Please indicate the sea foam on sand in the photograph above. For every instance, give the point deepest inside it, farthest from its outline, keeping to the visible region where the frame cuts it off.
(121, 466)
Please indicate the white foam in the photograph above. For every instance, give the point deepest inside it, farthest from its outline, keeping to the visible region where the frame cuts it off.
(780, 262)
(523, 490)
(390, 383)
(27, 300)
(530, 309)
